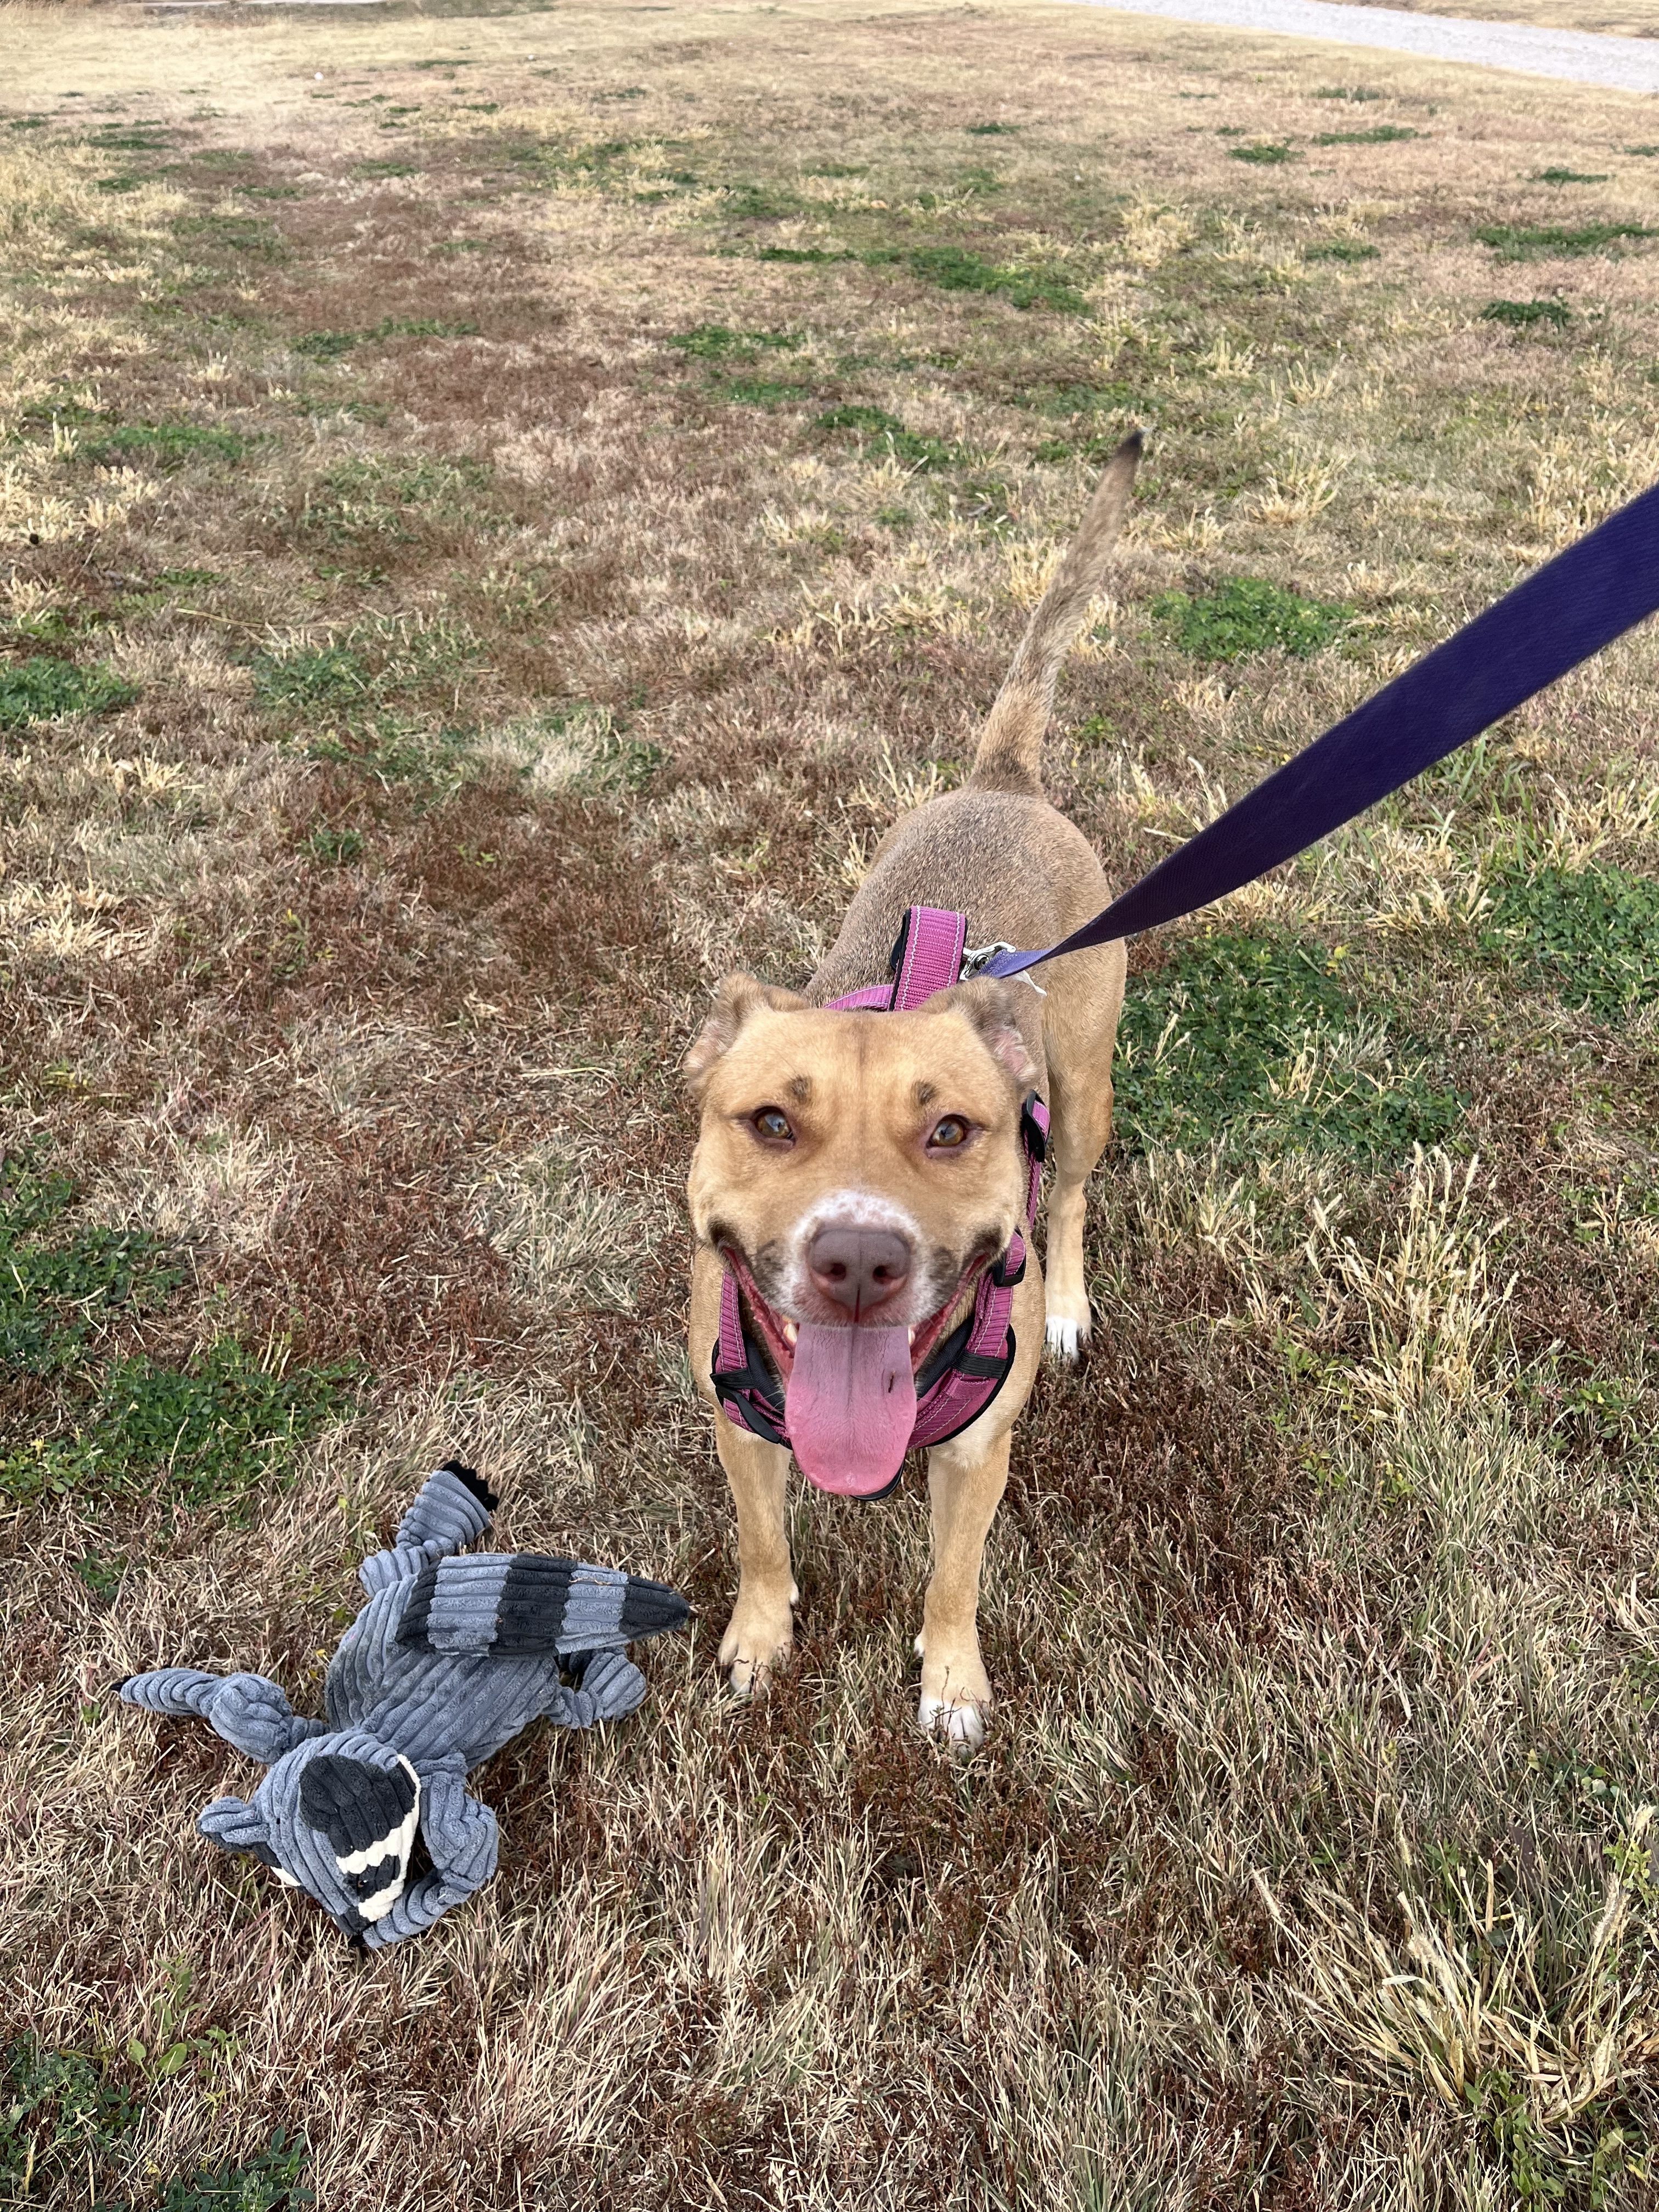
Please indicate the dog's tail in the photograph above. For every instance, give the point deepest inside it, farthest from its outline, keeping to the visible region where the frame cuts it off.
(1010, 756)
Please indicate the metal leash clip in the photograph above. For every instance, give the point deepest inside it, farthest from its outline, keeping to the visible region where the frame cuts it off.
(975, 957)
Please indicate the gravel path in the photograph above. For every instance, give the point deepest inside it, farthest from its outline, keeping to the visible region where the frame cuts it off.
(1581, 57)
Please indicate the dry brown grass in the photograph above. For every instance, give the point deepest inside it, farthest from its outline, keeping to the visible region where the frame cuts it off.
(1310, 1862)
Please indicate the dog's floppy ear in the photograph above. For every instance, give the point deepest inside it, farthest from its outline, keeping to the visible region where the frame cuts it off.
(990, 1004)
(235, 1826)
(738, 996)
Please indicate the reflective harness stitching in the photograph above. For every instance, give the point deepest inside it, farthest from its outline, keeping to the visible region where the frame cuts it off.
(961, 1377)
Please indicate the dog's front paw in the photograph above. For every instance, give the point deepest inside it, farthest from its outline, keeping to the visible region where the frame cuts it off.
(956, 1697)
(760, 1636)
(960, 1722)
(1065, 1338)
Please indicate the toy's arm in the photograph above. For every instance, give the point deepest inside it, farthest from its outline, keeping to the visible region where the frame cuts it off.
(452, 1510)
(462, 1840)
(517, 1603)
(251, 1714)
(608, 1687)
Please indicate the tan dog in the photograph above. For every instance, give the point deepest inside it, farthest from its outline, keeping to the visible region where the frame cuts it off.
(858, 1172)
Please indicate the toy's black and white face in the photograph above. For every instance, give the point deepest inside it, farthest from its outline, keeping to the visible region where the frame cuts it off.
(338, 1823)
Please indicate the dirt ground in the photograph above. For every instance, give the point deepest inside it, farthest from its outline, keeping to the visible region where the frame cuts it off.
(500, 512)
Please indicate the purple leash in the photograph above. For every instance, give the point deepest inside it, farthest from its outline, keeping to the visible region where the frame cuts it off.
(1574, 605)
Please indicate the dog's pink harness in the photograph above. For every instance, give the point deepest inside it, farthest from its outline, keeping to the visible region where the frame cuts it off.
(961, 1377)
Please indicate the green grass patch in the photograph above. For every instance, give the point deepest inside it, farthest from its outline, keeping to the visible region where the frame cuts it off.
(621, 763)
(763, 203)
(1513, 241)
(330, 345)
(808, 254)
(102, 1577)
(1342, 249)
(58, 2108)
(365, 667)
(1346, 92)
(991, 129)
(1385, 134)
(715, 342)
(205, 1431)
(164, 445)
(387, 495)
(430, 757)
(1074, 399)
(1053, 451)
(369, 170)
(331, 677)
(334, 849)
(1589, 937)
(269, 2182)
(1241, 1035)
(57, 1289)
(1524, 314)
(1266, 152)
(139, 137)
(419, 326)
(1247, 614)
(325, 345)
(235, 237)
(873, 423)
(204, 1434)
(758, 391)
(1571, 177)
(39, 689)
(956, 269)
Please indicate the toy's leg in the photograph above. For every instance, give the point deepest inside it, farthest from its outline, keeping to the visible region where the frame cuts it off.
(610, 1688)
(453, 1510)
(463, 1841)
(762, 1627)
(183, 1691)
(250, 1713)
(965, 1490)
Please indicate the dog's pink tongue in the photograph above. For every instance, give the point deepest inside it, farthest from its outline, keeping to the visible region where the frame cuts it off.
(850, 1407)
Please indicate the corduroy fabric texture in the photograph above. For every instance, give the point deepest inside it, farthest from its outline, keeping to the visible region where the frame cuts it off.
(448, 1660)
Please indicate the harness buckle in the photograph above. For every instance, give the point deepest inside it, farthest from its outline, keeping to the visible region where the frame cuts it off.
(975, 957)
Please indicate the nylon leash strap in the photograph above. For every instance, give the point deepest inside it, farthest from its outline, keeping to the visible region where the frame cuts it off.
(1570, 609)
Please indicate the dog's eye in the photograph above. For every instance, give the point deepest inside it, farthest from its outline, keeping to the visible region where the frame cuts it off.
(948, 1135)
(773, 1124)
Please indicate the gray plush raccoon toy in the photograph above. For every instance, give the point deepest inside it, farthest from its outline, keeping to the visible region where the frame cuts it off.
(449, 1659)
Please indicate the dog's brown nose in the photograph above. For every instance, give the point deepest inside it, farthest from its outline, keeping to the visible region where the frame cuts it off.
(859, 1268)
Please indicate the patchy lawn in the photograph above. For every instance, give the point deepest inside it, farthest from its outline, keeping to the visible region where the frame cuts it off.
(499, 513)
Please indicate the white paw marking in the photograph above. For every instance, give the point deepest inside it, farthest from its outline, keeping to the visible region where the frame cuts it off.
(1065, 1338)
(748, 1674)
(962, 1725)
